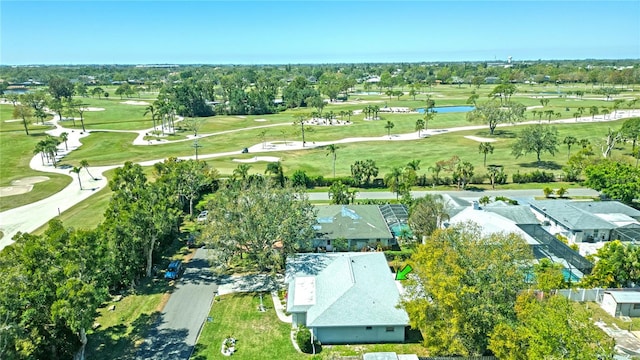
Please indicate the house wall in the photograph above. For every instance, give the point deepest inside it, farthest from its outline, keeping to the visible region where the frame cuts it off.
(359, 334)
(358, 244)
(299, 319)
(609, 304)
(573, 237)
(628, 310)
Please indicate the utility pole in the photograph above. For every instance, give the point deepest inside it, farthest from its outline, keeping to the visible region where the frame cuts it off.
(196, 146)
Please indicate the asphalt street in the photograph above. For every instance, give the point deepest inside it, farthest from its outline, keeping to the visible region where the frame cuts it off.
(177, 329)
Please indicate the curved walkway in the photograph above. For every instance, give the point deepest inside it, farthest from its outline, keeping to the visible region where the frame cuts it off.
(29, 217)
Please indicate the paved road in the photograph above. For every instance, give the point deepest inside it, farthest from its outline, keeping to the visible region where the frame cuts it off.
(177, 329)
(514, 194)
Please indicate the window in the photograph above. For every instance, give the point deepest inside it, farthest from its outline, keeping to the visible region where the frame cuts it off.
(369, 328)
(328, 242)
(636, 306)
(390, 329)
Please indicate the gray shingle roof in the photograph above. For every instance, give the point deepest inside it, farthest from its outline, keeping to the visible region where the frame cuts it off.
(571, 216)
(351, 222)
(354, 289)
(519, 214)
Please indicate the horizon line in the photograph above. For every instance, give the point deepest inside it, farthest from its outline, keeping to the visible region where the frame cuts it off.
(319, 63)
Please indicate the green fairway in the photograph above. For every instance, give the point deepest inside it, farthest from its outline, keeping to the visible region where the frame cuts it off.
(16, 151)
(113, 148)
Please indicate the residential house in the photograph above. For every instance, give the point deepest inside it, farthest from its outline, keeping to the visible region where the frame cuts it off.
(621, 303)
(345, 298)
(358, 225)
(587, 221)
(500, 217)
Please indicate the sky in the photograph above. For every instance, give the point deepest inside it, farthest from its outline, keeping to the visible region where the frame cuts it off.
(292, 32)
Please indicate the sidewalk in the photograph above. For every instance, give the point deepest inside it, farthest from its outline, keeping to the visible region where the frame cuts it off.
(280, 310)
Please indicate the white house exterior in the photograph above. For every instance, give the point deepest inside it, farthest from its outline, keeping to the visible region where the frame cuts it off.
(621, 303)
(585, 221)
(345, 298)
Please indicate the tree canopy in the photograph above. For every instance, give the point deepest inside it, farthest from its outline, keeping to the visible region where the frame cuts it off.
(615, 179)
(464, 284)
(551, 328)
(257, 226)
(536, 139)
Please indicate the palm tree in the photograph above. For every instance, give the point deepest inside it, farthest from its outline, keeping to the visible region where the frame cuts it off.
(569, 140)
(414, 165)
(389, 125)
(242, 171)
(151, 110)
(392, 180)
(39, 149)
(76, 170)
(605, 112)
(85, 165)
(275, 168)
(332, 148)
(593, 111)
(419, 126)
(428, 116)
(485, 148)
(64, 137)
(349, 113)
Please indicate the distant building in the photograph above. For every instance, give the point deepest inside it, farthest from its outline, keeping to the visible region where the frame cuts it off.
(621, 303)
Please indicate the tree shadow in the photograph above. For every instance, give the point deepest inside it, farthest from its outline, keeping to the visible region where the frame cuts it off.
(544, 165)
(119, 341)
(413, 336)
(498, 133)
(306, 264)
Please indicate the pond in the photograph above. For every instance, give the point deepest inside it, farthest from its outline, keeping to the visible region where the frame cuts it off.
(448, 109)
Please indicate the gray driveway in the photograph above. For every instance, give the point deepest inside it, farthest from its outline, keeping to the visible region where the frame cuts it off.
(177, 328)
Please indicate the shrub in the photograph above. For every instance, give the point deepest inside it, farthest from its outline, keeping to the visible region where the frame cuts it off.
(547, 191)
(303, 339)
(402, 255)
(535, 176)
(561, 192)
(477, 179)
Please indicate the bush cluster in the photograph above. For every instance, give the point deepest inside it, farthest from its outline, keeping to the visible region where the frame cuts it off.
(535, 177)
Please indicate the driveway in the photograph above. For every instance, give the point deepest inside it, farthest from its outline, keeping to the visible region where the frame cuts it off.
(177, 329)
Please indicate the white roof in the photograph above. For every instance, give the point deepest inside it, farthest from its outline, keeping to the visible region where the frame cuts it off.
(305, 291)
(491, 223)
(625, 297)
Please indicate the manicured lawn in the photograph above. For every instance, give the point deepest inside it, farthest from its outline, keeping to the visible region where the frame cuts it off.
(260, 335)
(264, 336)
(16, 151)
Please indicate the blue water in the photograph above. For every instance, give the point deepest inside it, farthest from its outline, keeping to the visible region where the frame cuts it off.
(448, 109)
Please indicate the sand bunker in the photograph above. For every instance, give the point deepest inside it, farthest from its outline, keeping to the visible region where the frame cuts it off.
(21, 186)
(258, 158)
(260, 120)
(13, 120)
(138, 103)
(93, 109)
(480, 139)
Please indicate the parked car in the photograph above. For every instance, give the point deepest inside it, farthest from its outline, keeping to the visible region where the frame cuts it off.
(202, 216)
(173, 270)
